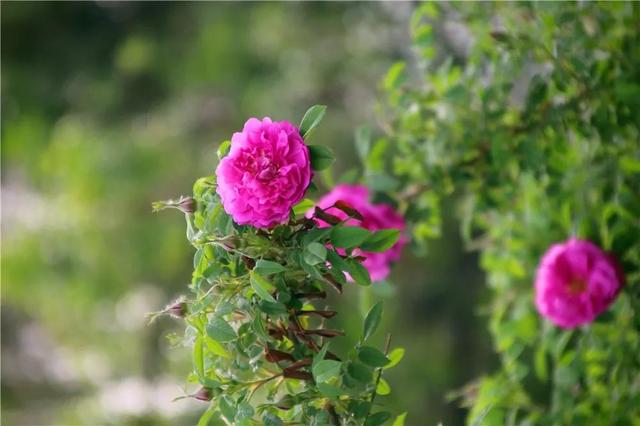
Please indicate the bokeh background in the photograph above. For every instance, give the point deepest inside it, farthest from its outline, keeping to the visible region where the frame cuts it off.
(108, 106)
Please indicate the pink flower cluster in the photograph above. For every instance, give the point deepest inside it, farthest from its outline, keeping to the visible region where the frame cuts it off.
(266, 172)
(376, 217)
(576, 281)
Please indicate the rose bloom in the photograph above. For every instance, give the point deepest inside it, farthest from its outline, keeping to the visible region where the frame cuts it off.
(576, 281)
(266, 172)
(376, 217)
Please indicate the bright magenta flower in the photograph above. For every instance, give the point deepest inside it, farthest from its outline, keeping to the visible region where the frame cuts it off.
(376, 217)
(576, 281)
(266, 172)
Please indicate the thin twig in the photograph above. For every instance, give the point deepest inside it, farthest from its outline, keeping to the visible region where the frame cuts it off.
(375, 390)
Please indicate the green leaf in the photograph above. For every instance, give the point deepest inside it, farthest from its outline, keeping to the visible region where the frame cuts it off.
(227, 407)
(359, 273)
(329, 390)
(207, 415)
(372, 321)
(399, 421)
(303, 206)
(381, 240)
(360, 372)
(363, 142)
(325, 370)
(271, 308)
(372, 357)
(348, 236)
(311, 119)
(267, 267)
(395, 356)
(223, 149)
(321, 157)
(378, 418)
(244, 411)
(270, 419)
(315, 253)
(219, 330)
(262, 287)
(217, 349)
(383, 388)
(320, 355)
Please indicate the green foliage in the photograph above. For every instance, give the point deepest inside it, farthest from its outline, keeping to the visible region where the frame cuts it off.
(533, 131)
(260, 345)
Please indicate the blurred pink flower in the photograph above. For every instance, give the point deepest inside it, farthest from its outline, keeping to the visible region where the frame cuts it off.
(376, 217)
(266, 172)
(576, 281)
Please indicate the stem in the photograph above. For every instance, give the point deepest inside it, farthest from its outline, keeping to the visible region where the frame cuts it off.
(374, 393)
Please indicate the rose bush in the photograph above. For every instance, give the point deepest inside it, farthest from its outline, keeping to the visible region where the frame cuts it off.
(257, 320)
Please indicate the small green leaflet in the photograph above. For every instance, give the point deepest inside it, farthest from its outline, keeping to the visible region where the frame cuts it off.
(372, 321)
(383, 388)
(311, 119)
(262, 286)
(219, 330)
(395, 356)
(399, 421)
(303, 206)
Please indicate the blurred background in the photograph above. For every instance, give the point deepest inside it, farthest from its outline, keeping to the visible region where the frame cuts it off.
(108, 106)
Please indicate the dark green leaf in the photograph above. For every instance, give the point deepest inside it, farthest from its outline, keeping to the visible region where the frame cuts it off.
(377, 419)
(321, 157)
(359, 273)
(311, 119)
(372, 321)
(360, 372)
(271, 308)
(372, 357)
(381, 240)
(348, 236)
(267, 267)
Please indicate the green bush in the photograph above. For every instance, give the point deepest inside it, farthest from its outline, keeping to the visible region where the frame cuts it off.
(533, 130)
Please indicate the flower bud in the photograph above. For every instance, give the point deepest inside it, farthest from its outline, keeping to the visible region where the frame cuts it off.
(178, 309)
(204, 394)
(187, 205)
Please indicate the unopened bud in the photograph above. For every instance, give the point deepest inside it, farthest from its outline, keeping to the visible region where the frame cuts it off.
(204, 394)
(178, 309)
(187, 204)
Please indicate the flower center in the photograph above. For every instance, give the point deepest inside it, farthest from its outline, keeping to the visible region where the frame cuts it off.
(576, 286)
(266, 170)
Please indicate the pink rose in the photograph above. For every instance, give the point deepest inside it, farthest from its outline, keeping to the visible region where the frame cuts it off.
(266, 172)
(576, 281)
(376, 217)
